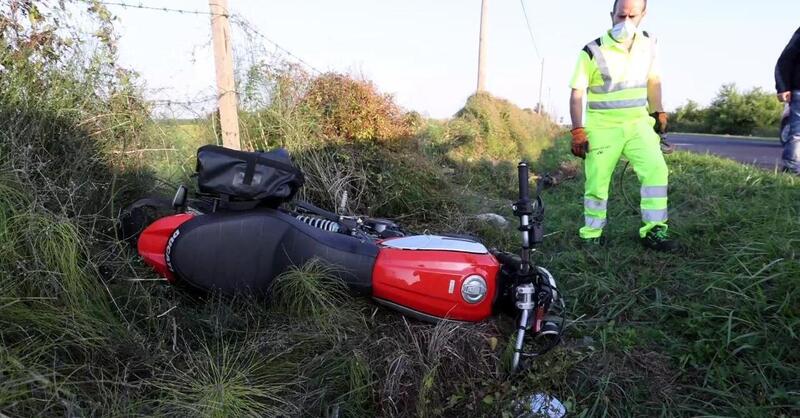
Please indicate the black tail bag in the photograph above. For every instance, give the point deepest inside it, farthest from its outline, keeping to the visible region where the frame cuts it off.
(268, 178)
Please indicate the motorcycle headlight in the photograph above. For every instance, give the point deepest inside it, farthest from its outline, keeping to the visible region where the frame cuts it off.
(474, 289)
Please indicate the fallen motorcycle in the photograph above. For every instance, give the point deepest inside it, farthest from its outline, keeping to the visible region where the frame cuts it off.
(243, 228)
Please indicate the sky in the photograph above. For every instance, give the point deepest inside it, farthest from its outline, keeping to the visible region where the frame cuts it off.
(424, 52)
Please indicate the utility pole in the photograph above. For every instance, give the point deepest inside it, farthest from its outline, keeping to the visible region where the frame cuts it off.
(541, 84)
(226, 85)
(482, 48)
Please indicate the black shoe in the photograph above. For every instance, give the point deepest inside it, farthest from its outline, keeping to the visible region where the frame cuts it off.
(657, 239)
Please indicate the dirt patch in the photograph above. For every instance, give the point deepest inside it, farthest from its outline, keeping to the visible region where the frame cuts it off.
(567, 170)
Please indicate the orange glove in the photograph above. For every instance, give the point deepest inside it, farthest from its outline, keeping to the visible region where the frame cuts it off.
(580, 142)
(661, 122)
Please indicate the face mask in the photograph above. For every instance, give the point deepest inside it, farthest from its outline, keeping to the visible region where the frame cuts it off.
(623, 31)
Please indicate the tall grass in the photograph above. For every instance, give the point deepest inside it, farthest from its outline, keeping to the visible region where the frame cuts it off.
(226, 380)
(312, 293)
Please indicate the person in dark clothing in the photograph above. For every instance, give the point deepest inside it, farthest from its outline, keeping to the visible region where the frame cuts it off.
(787, 83)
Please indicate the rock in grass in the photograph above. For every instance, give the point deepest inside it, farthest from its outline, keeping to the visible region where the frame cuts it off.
(492, 218)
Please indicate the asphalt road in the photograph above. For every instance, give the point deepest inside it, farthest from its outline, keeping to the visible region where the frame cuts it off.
(763, 153)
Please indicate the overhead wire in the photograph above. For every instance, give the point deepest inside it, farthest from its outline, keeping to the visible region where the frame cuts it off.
(249, 27)
(536, 49)
(530, 30)
(235, 18)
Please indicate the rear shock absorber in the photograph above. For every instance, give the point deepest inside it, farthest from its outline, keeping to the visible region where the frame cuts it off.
(320, 223)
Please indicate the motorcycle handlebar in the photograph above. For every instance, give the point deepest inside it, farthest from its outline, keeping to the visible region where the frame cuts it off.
(524, 190)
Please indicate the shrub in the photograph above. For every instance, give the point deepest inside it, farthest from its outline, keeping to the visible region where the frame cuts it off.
(732, 112)
(689, 118)
(354, 109)
(485, 141)
(489, 128)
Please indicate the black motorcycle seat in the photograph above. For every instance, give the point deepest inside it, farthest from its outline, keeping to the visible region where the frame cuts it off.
(245, 251)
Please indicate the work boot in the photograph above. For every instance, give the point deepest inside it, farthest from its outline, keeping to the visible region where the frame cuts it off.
(657, 239)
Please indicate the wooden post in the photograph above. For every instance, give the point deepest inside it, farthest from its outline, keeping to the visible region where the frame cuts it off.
(482, 48)
(226, 84)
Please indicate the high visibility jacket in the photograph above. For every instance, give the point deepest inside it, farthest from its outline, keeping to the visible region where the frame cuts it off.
(616, 79)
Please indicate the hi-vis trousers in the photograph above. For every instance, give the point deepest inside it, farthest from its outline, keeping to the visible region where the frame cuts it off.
(638, 142)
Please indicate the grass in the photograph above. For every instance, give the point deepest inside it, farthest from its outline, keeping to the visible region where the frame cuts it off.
(704, 332)
(707, 332)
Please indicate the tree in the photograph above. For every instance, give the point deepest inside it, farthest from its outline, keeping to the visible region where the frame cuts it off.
(689, 118)
(731, 112)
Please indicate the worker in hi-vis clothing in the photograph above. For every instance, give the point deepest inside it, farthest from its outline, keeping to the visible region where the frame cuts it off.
(624, 116)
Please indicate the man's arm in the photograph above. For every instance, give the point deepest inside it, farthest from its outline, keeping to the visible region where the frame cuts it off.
(576, 108)
(654, 95)
(786, 66)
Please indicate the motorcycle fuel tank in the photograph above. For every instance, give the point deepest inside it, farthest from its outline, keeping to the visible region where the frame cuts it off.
(434, 277)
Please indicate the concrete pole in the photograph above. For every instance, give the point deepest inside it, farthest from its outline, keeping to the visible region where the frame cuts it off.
(482, 48)
(541, 85)
(226, 84)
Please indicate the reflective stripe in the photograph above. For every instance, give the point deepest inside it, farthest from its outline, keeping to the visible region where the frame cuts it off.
(654, 191)
(601, 63)
(615, 87)
(618, 104)
(602, 66)
(595, 223)
(654, 215)
(594, 204)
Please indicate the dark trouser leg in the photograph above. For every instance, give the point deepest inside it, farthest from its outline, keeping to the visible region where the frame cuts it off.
(791, 146)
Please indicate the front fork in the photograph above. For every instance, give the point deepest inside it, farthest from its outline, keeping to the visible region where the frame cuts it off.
(526, 305)
(531, 296)
(533, 306)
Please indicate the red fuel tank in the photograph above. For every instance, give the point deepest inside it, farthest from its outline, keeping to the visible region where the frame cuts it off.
(152, 244)
(433, 277)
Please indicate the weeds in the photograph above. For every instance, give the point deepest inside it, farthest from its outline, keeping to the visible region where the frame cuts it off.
(226, 380)
(312, 293)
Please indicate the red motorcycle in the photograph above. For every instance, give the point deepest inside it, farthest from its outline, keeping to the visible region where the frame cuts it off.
(242, 229)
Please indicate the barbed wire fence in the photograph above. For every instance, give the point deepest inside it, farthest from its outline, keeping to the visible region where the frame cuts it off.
(186, 115)
(253, 50)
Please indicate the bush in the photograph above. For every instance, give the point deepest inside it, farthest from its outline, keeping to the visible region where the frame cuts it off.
(485, 141)
(354, 109)
(732, 112)
(495, 129)
(346, 137)
(689, 118)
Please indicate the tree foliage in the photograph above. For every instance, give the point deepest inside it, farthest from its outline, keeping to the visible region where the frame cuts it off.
(732, 112)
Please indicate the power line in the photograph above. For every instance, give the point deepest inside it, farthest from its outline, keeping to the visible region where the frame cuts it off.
(535, 48)
(159, 9)
(530, 30)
